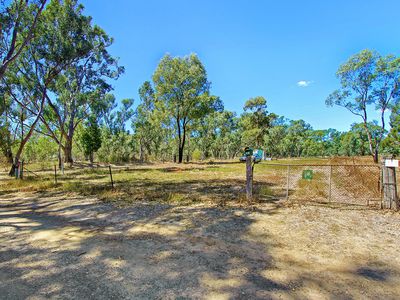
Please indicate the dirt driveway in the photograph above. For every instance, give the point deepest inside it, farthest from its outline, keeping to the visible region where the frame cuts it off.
(65, 246)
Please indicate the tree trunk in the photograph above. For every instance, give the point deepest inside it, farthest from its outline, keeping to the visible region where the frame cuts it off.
(376, 156)
(12, 170)
(180, 154)
(9, 156)
(141, 152)
(182, 145)
(24, 140)
(59, 159)
(68, 151)
(374, 152)
(17, 157)
(91, 158)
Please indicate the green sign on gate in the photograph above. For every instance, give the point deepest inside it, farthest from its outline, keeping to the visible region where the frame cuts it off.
(307, 174)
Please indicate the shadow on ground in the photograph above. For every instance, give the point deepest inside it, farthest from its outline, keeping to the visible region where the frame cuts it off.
(54, 245)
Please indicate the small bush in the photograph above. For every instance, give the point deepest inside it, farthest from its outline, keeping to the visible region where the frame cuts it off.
(196, 155)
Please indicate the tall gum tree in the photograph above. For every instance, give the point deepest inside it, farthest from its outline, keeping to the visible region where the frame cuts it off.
(368, 79)
(183, 94)
(255, 121)
(60, 41)
(80, 90)
(18, 22)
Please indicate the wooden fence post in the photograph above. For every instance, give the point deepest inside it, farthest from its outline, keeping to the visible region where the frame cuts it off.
(112, 182)
(249, 179)
(390, 200)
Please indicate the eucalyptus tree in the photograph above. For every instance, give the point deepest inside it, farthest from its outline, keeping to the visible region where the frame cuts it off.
(315, 144)
(25, 108)
(80, 89)
(218, 135)
(6, 139)
(392, 142)
(351, 145)
(274, 139)
(255, 121)
(18, 22)
(147, 123)
(297, 134)
(229, 136)
(206, 134)
(117, 142)
(62, 37)
(332, 140)
(183, 94)
(368, 79)
(90, 138)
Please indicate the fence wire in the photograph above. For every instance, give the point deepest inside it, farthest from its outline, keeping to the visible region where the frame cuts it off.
(349, 184)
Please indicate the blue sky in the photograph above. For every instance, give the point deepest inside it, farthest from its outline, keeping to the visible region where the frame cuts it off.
(252, 48)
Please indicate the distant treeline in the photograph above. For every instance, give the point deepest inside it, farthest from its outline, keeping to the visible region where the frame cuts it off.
(56, 101)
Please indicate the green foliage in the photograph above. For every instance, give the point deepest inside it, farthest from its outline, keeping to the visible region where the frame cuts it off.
(391, 143)
(58, 83)
(255, 122)
(147, 123)
(217, 135)
(116, 118)
(18, 20)
(40, 149)
(368, 78)
(182, 92)
(90, 138)
(197, 155)
(116, 148)
(81, 87)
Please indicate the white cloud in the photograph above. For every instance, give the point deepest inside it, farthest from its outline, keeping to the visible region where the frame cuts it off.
(304, 83)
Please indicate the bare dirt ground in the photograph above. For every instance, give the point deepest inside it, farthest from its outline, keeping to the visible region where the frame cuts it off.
(58, 245)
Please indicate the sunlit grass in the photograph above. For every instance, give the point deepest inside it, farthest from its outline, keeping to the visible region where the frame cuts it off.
(217, 182)
(28, 184)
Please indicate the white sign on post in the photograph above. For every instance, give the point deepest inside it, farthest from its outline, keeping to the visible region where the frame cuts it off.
(393, 163)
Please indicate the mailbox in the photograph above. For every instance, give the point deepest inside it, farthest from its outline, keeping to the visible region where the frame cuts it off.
(248, 151)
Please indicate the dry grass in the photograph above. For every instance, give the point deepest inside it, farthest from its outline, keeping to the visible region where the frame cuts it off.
(9, 185)
(220, 183)
(317, 188)
(358, 182)
(165, 235)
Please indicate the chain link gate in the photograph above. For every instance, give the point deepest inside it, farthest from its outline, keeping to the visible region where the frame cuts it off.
(347, 184)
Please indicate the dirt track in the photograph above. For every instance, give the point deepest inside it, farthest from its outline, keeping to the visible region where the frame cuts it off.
(58, 246)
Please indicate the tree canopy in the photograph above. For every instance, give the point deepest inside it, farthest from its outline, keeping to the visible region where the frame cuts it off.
(368, 79)
(57, 103)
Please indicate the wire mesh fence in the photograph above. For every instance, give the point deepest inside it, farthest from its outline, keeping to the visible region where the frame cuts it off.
(347, 184)
(350, 184)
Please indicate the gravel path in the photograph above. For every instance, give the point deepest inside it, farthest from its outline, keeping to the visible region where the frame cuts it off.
(65, 246)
